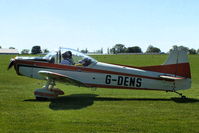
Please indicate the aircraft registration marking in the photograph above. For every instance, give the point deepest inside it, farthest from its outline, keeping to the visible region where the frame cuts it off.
(123, 81)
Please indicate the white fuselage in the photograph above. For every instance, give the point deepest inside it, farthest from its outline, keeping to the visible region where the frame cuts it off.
(108, 76)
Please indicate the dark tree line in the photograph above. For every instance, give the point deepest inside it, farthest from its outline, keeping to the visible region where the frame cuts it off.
(9, 47)
(117, 48)
(191, 51)
(120, 48)
(35, 50)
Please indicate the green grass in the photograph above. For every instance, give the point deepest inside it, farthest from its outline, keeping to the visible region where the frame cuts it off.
(103, 110)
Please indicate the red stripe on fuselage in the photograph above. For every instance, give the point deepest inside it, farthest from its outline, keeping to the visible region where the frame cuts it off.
(181, 69)
(76, 68)
(121, 87)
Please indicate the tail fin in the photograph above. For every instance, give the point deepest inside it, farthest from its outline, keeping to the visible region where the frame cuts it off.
(178, 59)
(176, 68)
(177, 64)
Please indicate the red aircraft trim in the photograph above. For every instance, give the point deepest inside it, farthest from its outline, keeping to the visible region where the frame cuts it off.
(121, 87)
(181, 69)
(45, 94)
(75, 68)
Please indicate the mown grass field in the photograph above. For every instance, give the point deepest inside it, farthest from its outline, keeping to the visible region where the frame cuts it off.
(103, 110)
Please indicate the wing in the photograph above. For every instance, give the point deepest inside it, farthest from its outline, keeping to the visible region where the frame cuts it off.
(171, 77)
(61, 78)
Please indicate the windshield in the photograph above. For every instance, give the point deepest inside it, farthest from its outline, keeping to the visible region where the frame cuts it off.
(77, 57)
(50, 55)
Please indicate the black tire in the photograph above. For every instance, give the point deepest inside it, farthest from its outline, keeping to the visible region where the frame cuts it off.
(41, 99)
(184, 97)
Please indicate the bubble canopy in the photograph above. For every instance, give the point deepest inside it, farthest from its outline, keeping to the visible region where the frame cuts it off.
(77, 56)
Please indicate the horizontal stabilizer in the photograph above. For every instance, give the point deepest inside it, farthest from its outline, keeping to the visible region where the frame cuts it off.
(171, 77)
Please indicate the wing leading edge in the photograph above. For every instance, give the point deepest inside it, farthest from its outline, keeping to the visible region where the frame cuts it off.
(61, 78)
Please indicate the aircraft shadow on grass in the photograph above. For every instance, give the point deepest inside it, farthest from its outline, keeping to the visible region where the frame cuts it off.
(79, 101)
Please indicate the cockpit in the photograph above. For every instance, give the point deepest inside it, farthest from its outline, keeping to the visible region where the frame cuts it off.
(78, 58)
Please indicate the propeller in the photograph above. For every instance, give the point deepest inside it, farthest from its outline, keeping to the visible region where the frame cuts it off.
(12, 61)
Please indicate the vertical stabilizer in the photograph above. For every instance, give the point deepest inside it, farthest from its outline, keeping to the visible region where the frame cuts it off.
(176, 57)
(179, 63)
(176, 67)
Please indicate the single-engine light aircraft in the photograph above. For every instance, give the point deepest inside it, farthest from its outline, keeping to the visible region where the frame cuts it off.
(82, 70)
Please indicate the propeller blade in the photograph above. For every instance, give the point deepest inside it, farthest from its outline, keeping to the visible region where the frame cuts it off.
(12, 61)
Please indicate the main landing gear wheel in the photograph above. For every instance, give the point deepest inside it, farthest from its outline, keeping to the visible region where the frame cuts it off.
(41, 98)
(183, 97)
(48, 92)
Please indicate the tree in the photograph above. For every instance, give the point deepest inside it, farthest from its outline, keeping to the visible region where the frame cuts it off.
(198, 51)
(11, 48)
(175, 47)
(45, 51)
(192, 51)
(152, 49)
(183, 48)
(84, 51)
(118, 48)
(108, 51)
(25, 51)
(112, 50)
(102, 51)
(134, 49)
(0, 47)
(36, 50)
